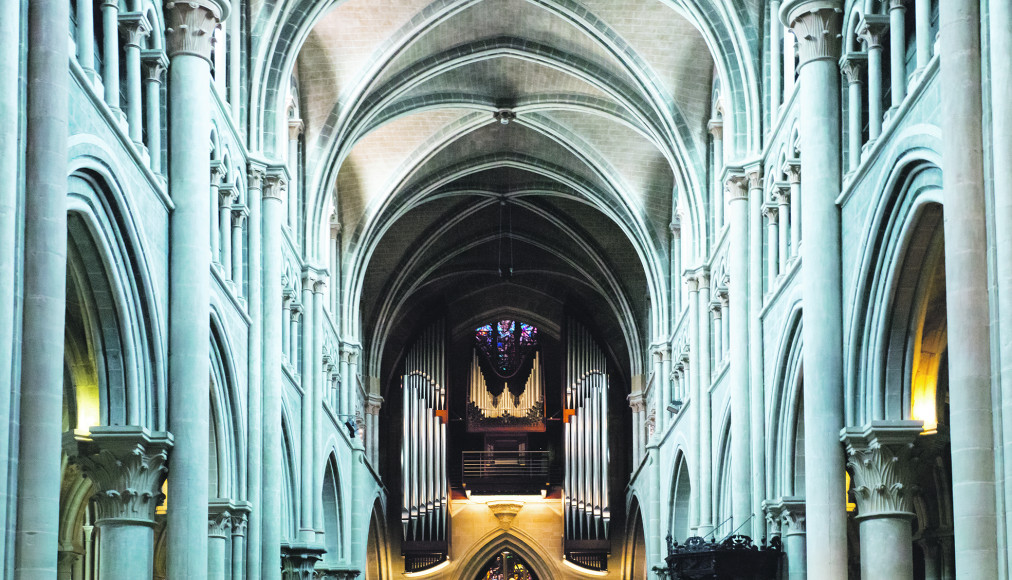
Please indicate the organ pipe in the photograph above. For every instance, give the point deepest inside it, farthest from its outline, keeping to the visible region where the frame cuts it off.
(585, 437)
(423, 449)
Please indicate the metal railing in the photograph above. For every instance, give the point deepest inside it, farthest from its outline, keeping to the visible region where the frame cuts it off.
(507, 465)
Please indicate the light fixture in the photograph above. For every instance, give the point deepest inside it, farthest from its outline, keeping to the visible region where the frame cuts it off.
(504, 116)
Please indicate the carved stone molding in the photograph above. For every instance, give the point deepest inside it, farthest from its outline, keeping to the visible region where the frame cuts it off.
(817, 25)
(335, 573)
(505, 511)
(787, 514)
(127, 465)
(190, 24)
(882, 459)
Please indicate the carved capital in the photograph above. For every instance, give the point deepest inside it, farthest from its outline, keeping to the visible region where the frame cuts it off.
(127, 465)
(274, 188)
(298, 560)
(692, 283)
(788, 513)
(505, 511)
(716, 128)
(190, 24)
(226, 195)
(873, 29)
(134, 26)
(736, 188)
(256, 174)
(156, 63)
(755, 179)
(882, 460)
(219, 518)
(239, 215)
(817, 25)
(851, 66)
(333, 573)
(792, 168)
(675, 227)
(218, 172)
(295, 128)
(781, 193)
(771, 212)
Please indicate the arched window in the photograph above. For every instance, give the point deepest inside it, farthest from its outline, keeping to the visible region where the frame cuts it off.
(506, 566)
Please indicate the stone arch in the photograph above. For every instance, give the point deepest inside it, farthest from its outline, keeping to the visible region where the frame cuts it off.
(785, 445)
(377, 548)
(681, 499)
(635, 553)
(333, 503)
(722, 496)
(289, 485)
(226, 425)
(499, 540)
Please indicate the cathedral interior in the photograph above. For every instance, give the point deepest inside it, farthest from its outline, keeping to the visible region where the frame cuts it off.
(505, 289)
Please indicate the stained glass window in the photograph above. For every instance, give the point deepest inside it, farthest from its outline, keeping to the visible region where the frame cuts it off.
(506, 566)
(506, 345)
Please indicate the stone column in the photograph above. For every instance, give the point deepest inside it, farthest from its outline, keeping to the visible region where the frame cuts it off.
(782, 197)
(273, 444)
(772, 245)
(706, 455)
(966, 264)
(718, 331)
(85, 39)
(335, 268)
(293, 335)
(788, 513)
(234, 40)
(872, 29)
(219, 528)
(736, 190)
(725, 326)
(188, 26)
(344, 365)
(309, 372)
(10, 147)
(817, 24)
(156, 63)
(257, 174)
(757, 398)
(295, 128)
(922, 23)
(299, 561)
(135, 27)
(286, 316)
(897, 51)
(676, 270)
(880, 457)
(716, 127)
(239, 213)
(127, 466)
(776, 61)
(238, 524)
(319, 387)
(851, 66)
(45, 277)
(695, 392)
(217, 174)
(110, 53)
(226, 197)
(793, 170)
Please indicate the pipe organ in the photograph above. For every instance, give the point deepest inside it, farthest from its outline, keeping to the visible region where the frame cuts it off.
(585, 439)
(506, 411)
(423, 446)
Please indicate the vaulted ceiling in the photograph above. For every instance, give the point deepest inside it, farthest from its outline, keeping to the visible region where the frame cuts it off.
(611, 100)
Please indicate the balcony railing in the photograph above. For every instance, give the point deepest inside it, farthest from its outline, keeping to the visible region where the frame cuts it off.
(484, 469)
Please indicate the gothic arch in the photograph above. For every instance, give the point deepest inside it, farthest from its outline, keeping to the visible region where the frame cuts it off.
(333, 512)
(635, 554)
(499, 540)
(681, 499)
(226, 425)
(786, 422)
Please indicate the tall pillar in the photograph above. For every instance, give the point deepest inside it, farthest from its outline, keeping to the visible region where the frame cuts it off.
(307, 532)
(676, 270)
(239, 213)
(335, 268)
(127, 466)
(189, 25)
(45, 270)
(705, 436)
(293, 336)
(110, 53)
(156, 63)
(286, 316)
(817, 25)
(257, 174)
(782, 197)
(757, 398)
(922, 24)
(85, 39)
(776, 61)
(737, 192)
(135, 27)
(793, 170)
(217, 174)
(219, 529)
(789, 514)
(10, 178)
(226, 196)
(716, 127)
(880, 455)
(897, 51)
(234, 40)
(717, 313)
(772, 245)
(851, 65)
(1000, 23)
(872, 29)
(295, 127)
(695, 392)
(319, 387)
(966, 298)
(238, 525)
(272, 211)
(344, 365)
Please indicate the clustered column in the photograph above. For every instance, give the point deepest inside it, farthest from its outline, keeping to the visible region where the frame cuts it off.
(736, 190)
(787, 514)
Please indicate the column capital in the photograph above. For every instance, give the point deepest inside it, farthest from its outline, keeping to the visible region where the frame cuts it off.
(787, 513)
(239, 214)
(882, 459)
(219, 518)
(692, 283)
(127, 465)
(675, 227)
(771, 211)
(298, 560)
(275, 186)
(373, 404)
(817, 25)
(335, 224)
(851, 65)
(872, 29)
(227, 194)
(256, 173)
(637, 402)
(295, 128)
(320, 285)
(716, 308)
(336, 573)
(157, 63)
(218, 172)
(189, 26)
(736, 188)
(716, 128)
(754, 175)
(781, 194)
(792, 168)
(134, 26)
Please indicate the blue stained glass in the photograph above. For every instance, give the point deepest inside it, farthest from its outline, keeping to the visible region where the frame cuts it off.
(512, 344)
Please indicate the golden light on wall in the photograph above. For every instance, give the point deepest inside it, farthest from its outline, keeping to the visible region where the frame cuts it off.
(929, 346)
(88, 402)
(846, 493)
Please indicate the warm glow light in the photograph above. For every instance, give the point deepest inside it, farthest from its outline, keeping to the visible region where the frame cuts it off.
(846, 494)
(165, 504)
(88, 412)
(428, 571)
